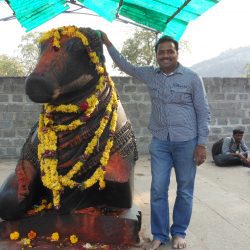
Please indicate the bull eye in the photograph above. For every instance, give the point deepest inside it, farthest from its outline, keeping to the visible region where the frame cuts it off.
(74, 45)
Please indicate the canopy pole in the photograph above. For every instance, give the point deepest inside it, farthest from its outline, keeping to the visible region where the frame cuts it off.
(119, 6)
(178, 10)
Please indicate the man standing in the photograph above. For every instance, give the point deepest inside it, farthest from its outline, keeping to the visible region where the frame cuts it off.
(179, 124)
(234, 151)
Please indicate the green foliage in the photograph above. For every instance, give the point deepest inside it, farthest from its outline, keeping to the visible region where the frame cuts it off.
(139, 49)
(29, 51)
(25, 63)
(11, 66)
(247, 69)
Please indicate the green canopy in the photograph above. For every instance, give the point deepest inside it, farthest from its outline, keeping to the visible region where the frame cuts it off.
(169, 17)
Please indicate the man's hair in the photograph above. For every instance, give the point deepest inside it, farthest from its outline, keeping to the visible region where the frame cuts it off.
(238, 131)
(166, 39)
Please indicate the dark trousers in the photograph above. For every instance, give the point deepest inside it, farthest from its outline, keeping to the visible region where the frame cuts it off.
(223, 160)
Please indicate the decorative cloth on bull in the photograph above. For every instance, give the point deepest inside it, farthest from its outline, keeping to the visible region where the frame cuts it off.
(47, 132)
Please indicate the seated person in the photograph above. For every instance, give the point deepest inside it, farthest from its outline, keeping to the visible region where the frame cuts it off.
(234, 151)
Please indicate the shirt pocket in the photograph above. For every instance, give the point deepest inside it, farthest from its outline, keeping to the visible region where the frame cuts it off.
(154, 92)
(181, 95)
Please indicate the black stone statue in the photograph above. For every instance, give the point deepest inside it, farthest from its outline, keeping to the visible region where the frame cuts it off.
(82, 151)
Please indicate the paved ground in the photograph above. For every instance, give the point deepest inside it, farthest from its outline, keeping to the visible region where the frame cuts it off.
(221, 214)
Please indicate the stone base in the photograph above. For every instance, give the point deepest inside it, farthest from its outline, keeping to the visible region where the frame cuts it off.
(91, 225)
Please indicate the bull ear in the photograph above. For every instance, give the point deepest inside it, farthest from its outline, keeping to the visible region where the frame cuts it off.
(99, 34)
(101, 56)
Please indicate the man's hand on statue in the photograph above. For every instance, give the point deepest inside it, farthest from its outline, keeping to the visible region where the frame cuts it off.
(105, 39)
(200, 154)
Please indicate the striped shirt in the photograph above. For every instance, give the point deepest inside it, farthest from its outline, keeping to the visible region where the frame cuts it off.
(180, 110)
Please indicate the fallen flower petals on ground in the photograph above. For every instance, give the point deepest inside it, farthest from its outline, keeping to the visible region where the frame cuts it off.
(14, 236)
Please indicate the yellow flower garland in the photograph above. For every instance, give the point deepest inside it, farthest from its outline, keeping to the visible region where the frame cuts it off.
(47, 131)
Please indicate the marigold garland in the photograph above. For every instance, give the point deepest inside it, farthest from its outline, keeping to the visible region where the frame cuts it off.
(45, 205)
(47, 131)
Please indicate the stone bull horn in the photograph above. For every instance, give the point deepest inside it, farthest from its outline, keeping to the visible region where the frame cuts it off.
(74, 85)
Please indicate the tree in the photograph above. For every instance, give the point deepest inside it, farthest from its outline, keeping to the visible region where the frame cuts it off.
(25, 62)
(29, 51)
(11, 66)
(247, 69)
(139, 49)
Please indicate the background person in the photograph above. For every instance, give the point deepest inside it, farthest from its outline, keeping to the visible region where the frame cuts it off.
(234, 150)
(179, 125)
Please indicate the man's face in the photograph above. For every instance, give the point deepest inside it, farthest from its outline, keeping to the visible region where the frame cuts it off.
(238, 137)
(167, 57)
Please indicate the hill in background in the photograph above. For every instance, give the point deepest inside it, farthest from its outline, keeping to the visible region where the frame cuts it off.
(230, 63)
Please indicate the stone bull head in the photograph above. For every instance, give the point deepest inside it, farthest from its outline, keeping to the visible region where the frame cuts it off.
(64, 71)
(82, 151)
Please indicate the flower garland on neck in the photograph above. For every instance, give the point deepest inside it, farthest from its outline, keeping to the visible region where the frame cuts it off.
(47, 131)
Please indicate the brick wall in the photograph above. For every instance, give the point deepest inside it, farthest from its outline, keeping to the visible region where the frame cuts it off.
(228, 100)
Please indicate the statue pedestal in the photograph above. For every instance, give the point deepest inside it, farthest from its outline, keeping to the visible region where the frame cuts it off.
(91, 225)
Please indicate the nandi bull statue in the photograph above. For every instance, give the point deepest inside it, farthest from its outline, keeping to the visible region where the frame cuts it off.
(82, 151)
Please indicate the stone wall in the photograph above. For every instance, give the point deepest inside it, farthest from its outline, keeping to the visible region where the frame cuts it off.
(228, 100)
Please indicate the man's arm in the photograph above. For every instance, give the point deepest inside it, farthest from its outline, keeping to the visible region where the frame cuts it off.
(244, 146)
(105, 39)
(226, 146)
(203, 118)
(142, 73)
(201, 109)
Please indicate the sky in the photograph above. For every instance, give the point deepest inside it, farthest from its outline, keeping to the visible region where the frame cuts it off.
(225, 26)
